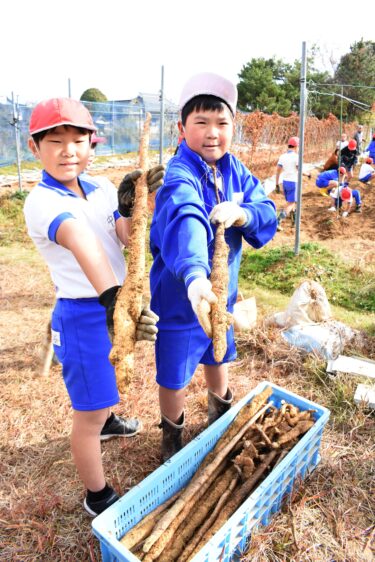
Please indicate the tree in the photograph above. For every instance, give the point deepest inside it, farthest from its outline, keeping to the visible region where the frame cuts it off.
(274, 86)
(93, 94)
(357, 68)
(260, 87)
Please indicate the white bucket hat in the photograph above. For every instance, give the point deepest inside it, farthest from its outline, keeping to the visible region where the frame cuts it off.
(210, 84)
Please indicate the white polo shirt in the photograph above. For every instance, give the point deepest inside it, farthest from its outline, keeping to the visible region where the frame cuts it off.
(365, 170)
(49, 204)
(289, 163)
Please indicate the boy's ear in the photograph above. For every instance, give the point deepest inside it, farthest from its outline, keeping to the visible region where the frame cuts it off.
(181, 128)
(33, 148)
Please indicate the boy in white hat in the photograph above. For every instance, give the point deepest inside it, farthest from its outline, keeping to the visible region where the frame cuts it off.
(79, 227)
(182, 236)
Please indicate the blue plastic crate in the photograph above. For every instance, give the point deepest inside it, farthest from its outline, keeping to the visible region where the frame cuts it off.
(233, 537)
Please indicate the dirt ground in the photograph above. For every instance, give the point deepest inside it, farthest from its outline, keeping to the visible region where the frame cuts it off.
(41, 515)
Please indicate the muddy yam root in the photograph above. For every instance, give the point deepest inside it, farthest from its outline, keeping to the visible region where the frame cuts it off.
(129, 301)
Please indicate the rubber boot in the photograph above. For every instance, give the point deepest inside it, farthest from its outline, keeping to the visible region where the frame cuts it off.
(293, 217)
(172, 436)
(218, 406)
(280, 217)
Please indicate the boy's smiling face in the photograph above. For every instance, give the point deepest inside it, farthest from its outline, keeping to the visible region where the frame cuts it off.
(64, 153)
(209, 133)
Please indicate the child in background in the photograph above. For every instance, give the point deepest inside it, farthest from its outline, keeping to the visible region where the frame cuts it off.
(346, 198)
(95, 140)
(288, 165)
(78, 226)
(329, 179)
(182, 245)
(349, 157)
(371, 148)
(366, 172)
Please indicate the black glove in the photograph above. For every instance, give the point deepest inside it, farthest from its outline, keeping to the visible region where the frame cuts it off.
(277, 189)
(126, 190)
(108, 300)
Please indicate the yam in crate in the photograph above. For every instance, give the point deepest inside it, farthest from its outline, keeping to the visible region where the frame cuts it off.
(233, 537)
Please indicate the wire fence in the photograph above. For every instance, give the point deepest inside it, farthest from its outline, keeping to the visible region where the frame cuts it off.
(259, 138)
(120, 123)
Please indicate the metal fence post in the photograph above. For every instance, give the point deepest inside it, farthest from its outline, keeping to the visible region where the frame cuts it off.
(301, 146)
(15, 123)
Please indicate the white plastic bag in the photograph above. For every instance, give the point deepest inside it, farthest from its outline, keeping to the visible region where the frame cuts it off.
(308, 305)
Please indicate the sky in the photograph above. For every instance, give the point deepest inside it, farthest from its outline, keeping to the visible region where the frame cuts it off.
(120, 46)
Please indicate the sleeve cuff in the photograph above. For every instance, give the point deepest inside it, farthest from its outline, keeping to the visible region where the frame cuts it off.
(193, 273)
(249, 216)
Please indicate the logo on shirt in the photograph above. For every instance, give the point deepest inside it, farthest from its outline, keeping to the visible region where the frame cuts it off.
(111, 220)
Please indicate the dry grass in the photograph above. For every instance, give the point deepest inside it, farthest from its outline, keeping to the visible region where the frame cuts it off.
(41, 516)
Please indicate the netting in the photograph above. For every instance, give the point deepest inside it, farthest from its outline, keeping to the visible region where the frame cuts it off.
(261, 138)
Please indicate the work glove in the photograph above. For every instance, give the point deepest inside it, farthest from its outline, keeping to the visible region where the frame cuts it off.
(146, 326)
(228, 213)
(126, 190)
(277, 188)
(201, 297)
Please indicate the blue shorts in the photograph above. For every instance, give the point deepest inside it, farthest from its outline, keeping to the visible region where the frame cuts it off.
(322, 182)
(366, 178)
(290, 191)
(178, 353)
(81, 343)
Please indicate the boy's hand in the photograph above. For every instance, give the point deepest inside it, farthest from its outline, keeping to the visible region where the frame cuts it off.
(228, 213)
(146, 326)
(108, 300)
(201, 297)
(126, 190)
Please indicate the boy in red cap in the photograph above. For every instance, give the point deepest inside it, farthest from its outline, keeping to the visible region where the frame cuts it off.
(288, 166)
(79, 227)
(349, 157)
(346, 198)
(329, 179)
(366, 172)
(204, 185)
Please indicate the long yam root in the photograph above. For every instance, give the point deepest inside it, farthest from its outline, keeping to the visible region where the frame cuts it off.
(129, 301)
(142, 529)
(220, 280)
(198, 480)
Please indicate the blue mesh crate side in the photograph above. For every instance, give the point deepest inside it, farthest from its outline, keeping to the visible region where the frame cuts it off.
(174, 474)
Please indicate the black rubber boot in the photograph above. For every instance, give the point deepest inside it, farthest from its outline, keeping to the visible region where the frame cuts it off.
(172, 436)
(218, 406)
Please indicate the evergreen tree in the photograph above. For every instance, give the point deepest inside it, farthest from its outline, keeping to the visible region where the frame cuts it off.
(93, 94)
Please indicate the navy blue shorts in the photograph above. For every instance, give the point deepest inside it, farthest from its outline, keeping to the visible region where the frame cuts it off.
(179, 352)
(82, 345)
(290, 191)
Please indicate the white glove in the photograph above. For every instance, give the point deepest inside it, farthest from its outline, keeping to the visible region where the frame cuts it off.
(345, 214)
(228, 213)
(199, 289)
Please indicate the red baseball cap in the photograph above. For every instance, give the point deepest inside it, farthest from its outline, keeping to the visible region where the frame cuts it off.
(342, 170)
(346, 193)
(97, 140)
(60, 111)
(293, 141)
(369, 161)
(352, 145)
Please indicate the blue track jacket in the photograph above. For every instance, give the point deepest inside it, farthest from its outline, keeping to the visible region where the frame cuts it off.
(182, 237)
